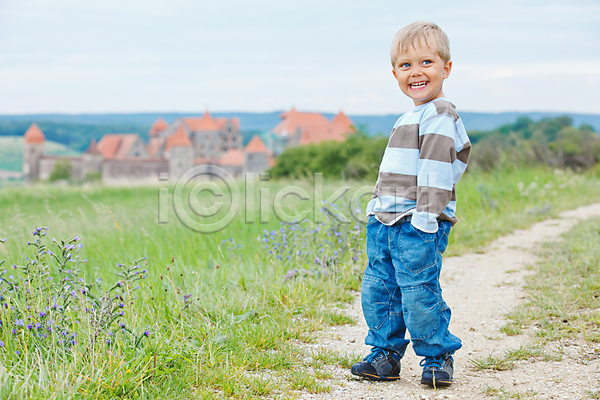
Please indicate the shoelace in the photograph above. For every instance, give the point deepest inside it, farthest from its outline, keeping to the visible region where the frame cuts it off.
(434, 362)
(374, 354)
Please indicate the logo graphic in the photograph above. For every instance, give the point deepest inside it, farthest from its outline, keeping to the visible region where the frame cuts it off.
(202, 178)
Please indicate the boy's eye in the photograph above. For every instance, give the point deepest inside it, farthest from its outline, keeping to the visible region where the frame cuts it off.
(426, 62)
(404, 65)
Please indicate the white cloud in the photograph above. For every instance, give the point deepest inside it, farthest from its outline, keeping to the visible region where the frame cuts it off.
(155, 55)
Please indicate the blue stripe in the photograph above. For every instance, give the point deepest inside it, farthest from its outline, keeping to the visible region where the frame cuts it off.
(440, 125)
(450, 208)
(435, 174)
(459, 168)
(400, 161)
(390, 204)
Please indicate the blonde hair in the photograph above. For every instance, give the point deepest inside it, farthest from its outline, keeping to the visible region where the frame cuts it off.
(417, 32)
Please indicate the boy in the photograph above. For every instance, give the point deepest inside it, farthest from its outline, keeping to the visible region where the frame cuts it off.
(410, 216)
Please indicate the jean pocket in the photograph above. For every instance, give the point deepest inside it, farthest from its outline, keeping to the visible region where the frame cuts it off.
(418, 250)
(443, 234)
(375, 299)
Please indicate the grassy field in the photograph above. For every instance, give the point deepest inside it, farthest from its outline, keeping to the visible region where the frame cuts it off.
(148, 310)
(11, 152)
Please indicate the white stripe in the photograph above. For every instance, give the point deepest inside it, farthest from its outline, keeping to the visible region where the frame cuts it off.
(458, 167)
(400, 161)
(437, 174)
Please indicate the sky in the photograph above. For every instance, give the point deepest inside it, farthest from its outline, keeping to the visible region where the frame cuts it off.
(73, 56)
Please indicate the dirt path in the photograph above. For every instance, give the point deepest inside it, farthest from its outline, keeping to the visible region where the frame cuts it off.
(480, 289)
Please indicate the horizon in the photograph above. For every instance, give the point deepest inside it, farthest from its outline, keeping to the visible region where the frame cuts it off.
(278, 111)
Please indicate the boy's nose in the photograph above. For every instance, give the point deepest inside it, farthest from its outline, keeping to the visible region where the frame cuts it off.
(416, 71)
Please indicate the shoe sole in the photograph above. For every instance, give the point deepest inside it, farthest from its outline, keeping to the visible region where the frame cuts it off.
(437, 383)
(377, 377)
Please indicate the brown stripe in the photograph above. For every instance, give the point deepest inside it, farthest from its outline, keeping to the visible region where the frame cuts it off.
(432, 200)
(453, 197)
(445, 107)
(375, 190)
(405, 136)
(437, 147)
(463, 155)
(390, 184)
(444, 217)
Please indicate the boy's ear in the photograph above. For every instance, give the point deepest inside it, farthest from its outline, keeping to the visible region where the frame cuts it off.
(447, 69)
(394, 72)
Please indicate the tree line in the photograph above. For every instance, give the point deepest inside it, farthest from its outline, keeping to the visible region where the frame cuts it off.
(552, 142)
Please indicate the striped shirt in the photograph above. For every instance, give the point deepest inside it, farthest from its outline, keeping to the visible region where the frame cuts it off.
(425, 157)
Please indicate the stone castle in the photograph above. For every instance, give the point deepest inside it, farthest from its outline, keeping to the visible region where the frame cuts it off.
(174, 149)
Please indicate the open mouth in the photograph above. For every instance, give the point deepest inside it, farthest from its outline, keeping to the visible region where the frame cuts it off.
(418, 85)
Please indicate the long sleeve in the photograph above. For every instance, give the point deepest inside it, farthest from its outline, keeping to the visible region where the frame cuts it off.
(438, 169)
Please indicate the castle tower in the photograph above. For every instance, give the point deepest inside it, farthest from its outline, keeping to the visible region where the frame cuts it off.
(33, 150)
(180, 154)
(256, 156)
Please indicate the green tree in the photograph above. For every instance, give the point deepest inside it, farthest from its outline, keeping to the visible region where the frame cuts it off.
(62, 171)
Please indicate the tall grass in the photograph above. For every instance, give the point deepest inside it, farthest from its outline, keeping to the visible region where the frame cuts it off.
(224, 314)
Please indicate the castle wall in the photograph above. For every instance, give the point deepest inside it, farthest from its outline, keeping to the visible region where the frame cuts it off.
(236, 171)
(181, 159)
(256, 162)
(230, 137)
(91, 164)
(207, 145)
(46, 166)
(128, 171)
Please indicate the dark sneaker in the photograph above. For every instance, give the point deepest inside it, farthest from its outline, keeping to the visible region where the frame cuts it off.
(380, 365)
(437, 371)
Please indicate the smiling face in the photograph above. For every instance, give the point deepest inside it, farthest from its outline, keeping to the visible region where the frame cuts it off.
(420, 73)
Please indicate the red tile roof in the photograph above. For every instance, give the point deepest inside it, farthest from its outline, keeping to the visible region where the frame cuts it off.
(205, 161)
(34, 135)
(158, 126)
(92, 148)
(256, 146)
(233, 157)
(180, 138)
(155, 145)
(208, 123)
(116, 145)
(294, 119)
(314, 127)
(342, 120)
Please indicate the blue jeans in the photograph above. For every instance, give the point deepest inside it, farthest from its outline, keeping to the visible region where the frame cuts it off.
(401, 289)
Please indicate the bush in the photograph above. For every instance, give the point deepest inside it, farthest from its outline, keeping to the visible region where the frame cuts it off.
(62, 171)
(356, 158)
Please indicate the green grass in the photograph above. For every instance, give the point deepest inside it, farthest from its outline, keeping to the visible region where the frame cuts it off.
(241, 334)
(564, 294)
(504, 394)
(507, 360)
(11, 152)
(494, 204)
